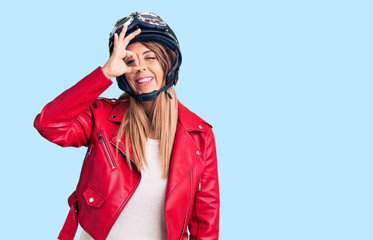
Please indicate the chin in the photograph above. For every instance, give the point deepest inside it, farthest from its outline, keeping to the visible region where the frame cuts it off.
(146, 91)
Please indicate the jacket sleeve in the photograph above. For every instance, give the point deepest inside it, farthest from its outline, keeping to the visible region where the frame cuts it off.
(204, 221)
(67, 120)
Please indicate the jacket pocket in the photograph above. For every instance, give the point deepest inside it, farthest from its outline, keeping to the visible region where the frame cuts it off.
(92, 197)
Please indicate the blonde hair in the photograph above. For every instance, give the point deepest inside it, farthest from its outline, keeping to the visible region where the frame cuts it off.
(136, 124)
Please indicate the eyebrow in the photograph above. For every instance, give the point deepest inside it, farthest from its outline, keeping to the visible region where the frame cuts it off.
(147, 51)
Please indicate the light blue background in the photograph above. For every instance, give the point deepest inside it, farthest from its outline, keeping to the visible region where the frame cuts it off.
(287, 86)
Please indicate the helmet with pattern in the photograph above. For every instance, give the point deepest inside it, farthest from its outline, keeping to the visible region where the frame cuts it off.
(153, 28)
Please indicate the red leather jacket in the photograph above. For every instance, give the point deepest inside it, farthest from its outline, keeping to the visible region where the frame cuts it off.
(78, 118)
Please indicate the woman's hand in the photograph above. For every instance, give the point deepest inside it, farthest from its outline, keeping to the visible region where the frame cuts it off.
(116, 65)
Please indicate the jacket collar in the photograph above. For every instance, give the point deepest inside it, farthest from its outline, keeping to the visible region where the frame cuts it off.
(190, 121)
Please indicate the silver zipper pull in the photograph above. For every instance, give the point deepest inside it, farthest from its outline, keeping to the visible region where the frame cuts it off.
(199, 184)
(100, 138)
(90, 149)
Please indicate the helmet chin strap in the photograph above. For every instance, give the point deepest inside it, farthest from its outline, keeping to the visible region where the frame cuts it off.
(152, 95)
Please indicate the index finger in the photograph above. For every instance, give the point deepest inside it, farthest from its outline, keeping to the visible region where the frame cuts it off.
(132, 36)
(123, 32)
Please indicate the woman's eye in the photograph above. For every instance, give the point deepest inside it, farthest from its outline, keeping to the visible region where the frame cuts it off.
(130, 62)
(150, 58)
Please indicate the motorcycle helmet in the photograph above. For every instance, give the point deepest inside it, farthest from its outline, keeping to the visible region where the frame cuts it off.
(153, 28)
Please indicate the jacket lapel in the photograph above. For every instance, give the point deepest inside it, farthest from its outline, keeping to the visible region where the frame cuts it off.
(185, 152)
(183, 158)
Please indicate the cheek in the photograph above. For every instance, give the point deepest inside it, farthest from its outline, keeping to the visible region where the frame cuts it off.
(129, 78)
(160, 76)
(160, 79)
(159, 72)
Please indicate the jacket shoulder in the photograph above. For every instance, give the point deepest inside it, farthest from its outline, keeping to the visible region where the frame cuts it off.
(111, 109)
(111, 101)
(105, 103)
(192, 121)
(103, 106)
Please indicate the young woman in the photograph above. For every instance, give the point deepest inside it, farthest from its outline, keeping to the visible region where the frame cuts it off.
(150, 171)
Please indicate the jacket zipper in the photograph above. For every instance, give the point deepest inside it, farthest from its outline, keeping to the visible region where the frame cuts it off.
(90, 150)
(122, 152)
(101, 140)
(190, 198)
(199, 184)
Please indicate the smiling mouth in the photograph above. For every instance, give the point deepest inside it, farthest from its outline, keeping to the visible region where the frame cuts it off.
(143, 82)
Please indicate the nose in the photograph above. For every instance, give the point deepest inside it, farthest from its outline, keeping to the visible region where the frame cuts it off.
(141, 68)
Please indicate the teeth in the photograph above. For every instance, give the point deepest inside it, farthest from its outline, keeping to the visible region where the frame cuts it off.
(144, 80)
